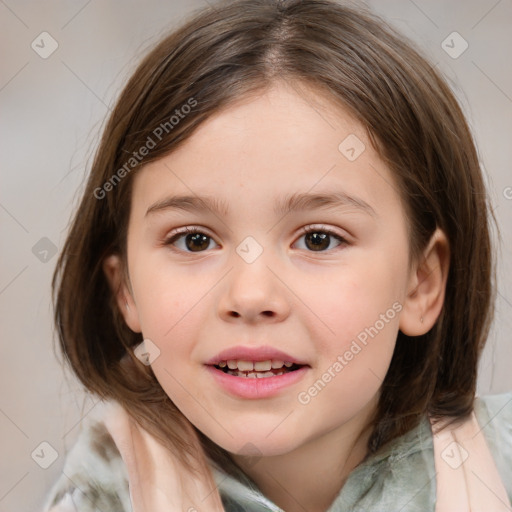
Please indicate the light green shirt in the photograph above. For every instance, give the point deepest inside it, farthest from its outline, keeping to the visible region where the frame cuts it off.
(402, 478)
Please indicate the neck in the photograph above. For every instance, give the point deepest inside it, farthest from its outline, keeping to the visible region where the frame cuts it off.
(310, 477)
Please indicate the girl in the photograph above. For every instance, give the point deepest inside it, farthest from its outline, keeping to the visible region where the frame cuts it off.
(279, 279)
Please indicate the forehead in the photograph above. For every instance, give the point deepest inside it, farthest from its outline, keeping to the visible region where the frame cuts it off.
(280, 142)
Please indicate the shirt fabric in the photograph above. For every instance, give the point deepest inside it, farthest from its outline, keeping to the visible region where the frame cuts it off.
(400, 478)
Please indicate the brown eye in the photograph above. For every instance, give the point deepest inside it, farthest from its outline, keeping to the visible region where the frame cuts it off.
(194, 240)
(197, 242)
(319, 239)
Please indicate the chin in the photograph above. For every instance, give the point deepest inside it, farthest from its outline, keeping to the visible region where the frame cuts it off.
(256, 445)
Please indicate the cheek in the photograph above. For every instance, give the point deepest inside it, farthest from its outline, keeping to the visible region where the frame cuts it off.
(359, 307)
(172, 304)
(171, 311)
(366, 293)
(355, 342)
(165, 296)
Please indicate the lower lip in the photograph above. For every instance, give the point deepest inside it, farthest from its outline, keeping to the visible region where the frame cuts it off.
(266, 387)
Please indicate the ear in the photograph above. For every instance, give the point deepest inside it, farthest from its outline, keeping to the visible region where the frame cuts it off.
(426, 287)
(113, 268)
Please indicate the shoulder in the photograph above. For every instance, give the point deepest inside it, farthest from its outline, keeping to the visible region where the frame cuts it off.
(494, 416)
(401, 476)
(496, 408)
(94, 476)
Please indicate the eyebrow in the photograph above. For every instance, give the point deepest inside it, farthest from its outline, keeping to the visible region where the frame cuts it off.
(288, 204)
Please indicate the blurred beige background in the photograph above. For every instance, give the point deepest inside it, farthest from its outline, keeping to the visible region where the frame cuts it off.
(52, 110)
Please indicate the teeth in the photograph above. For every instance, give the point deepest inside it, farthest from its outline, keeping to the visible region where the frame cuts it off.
(245, 366)
(254, 375)
(260, 366)
(263, 375)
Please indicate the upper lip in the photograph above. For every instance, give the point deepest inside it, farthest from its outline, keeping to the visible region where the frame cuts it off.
(263, 353)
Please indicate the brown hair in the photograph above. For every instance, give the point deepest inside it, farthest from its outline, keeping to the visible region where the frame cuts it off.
(225, 53)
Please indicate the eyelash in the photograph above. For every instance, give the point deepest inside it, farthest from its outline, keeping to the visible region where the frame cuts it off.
(304, 231)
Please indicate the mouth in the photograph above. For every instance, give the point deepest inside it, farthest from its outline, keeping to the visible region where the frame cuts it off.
(257, 369)
(256, 380)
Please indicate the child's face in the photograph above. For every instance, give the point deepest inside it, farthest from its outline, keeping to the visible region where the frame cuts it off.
(336, 308)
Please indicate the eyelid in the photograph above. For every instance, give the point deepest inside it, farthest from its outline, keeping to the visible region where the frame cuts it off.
(311, 228)
(184, 231)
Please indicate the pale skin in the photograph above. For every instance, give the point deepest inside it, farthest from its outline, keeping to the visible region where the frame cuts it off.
(311, 304)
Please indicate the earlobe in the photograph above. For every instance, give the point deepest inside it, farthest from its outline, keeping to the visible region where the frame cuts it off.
(427, 287)
(113, 269)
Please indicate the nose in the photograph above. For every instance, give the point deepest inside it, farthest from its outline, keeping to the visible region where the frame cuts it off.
(253, 292)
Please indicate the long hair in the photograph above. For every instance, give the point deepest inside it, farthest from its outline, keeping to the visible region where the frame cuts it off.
(230, 51)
